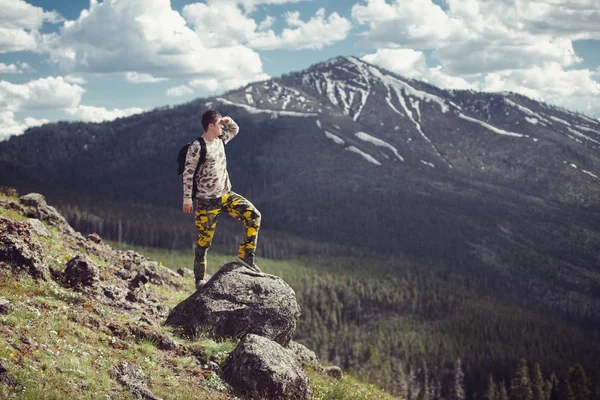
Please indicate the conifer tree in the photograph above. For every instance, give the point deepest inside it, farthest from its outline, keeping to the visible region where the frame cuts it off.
(547, 390)
(458, 390)
(502, 393)
(554, 387)
(579, 382)
(596, 392)
(565, 392)
(492, 393)
(520, 387)
(538, 383)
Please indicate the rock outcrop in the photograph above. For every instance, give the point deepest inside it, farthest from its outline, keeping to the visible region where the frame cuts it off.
(20, 251)
(259, 368)
(237, 301)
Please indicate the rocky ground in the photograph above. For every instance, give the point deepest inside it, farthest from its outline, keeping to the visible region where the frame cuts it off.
(125, 301)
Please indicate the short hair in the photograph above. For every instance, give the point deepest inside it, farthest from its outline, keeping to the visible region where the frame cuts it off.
(209, 117)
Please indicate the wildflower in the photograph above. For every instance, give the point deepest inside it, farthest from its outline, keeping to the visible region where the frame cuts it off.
(12, 355)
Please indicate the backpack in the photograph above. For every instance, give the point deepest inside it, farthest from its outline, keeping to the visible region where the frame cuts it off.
(181, 161)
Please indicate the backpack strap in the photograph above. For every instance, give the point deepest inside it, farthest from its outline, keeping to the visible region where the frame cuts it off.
(202, 152)
(200, 162)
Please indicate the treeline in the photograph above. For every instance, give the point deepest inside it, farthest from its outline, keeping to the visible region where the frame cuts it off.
(404, 329)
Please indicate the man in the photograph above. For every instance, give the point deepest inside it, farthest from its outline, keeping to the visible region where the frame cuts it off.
(213, 194)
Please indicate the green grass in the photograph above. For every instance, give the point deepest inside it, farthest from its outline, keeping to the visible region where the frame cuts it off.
(348, 388)
(55, 346)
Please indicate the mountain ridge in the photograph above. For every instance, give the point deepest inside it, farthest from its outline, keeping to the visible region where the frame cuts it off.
(494, 187)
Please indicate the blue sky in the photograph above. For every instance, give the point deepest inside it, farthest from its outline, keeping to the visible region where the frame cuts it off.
(98, 60)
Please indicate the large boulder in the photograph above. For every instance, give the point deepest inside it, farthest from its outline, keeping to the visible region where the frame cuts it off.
(236, 301)
(20, 252)
(259, 368)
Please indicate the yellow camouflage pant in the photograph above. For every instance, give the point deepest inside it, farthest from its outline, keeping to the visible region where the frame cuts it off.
(206, 217)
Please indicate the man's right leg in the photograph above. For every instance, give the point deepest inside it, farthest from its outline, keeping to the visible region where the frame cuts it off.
(206, 217)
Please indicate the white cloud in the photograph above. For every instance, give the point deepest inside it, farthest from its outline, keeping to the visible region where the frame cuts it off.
(250, 5)
(238, 27)
(317, 33)
(135, 77)
(572, 89)
(18, 14)
(53, 93)
(148, 37)
(179, 91)
(17, 68)
(46, 93)
(79, 80)
(9, 127)
(477, 36)
(520, 45)
(101, 114)
(412, 64)
(214, 85)
(266, 23)
(12, 40)
(19, 24)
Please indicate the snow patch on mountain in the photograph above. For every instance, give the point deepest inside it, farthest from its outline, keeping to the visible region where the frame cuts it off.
(562, 121)
(366, 156)
(378, 142)
(274, 113)
(532, 121)
(581, 135)
(335, 138)
(490, 127)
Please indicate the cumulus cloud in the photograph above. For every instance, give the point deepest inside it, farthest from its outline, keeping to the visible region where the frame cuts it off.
(79, 80)
(53, 93)
(45, 93)
(101, 114)
(413, 64)
(149, 38)
(319, 31)
(573, 89)
(474, 36)
(9, 127)
(17, 68)
(519, 45)
(19, 25)
(179, 91)
(41, 94)
(213, 85)
(135, 77)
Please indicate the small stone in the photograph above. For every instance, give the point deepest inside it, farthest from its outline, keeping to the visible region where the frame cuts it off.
(93, 237)
(6, 306)
(81, 270)
(334, 372)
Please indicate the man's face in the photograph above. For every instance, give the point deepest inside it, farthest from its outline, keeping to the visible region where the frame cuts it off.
(216, 125)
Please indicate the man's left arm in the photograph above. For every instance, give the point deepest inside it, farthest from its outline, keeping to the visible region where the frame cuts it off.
(231, 129)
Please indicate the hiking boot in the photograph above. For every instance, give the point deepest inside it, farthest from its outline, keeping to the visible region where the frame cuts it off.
(200, 283)
(246, 262)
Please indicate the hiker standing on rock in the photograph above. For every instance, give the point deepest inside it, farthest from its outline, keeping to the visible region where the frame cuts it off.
(206, 184)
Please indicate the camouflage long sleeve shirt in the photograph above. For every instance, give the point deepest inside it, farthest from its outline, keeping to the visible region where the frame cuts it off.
(212, 180)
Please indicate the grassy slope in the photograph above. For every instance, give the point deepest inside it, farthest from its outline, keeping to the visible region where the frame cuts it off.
(55, 344)
(374, 317)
